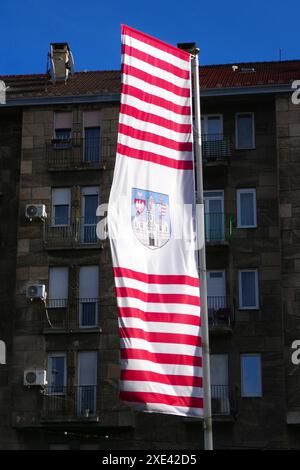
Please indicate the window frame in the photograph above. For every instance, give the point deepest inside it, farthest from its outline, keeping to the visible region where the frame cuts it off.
(243, 394)
(204, 121)
(239, 206)
(256, 306)
(53, 206)
(237, 146)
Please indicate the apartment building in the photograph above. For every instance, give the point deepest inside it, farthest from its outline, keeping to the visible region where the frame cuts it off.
(63, 347)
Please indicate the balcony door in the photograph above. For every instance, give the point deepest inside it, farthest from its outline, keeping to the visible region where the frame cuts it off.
(219, 384)
(216, 294)
(89, 296)
(212, 127)
(87, 381)
(89, 204)
(92, 145)
(214, 216)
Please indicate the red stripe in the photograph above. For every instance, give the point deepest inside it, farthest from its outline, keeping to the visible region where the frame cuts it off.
(154, 158)
(155, 139)
(128, 312)
(161, 45)
(144, 397)
(151, 337)
(161, 358)
(147, 376)
(149, 77)
(156, 278)
(153, 119)
(158, 297)
(156, 100)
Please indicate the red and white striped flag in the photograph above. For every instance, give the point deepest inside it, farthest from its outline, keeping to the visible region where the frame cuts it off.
(155, 269)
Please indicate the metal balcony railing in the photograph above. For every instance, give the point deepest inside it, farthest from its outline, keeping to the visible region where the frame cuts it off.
(77, 153)
(65, 314)
(62, 403)
(219, 312)
(221, 400)
(218, 227)
(68, 233)
(216, 147)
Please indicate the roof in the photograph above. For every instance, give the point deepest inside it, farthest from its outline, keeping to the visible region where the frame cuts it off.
(222, 76)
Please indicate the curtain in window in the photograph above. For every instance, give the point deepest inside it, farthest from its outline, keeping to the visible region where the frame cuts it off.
(247, 209)
(248, 289)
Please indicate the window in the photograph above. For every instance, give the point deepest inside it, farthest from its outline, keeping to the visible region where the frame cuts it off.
(248, 289)
(244, 131)
(251, 375)
(62, 129)
(214, 216)
(58, 287)
(57, 373)
(61, 201)
(88, 294)
(246, 208)
(87, 380)
(212, 127)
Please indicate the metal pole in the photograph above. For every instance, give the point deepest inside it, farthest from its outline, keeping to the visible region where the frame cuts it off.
(207, 421)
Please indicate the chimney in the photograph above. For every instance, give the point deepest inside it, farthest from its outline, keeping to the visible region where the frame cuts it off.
(61, 62)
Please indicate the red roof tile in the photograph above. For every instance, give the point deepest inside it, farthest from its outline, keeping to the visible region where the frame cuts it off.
(108, 82)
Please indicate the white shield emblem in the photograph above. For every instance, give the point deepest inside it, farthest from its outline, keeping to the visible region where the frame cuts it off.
(150, 217)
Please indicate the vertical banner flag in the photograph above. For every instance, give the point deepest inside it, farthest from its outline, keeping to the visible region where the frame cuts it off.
(151, 228)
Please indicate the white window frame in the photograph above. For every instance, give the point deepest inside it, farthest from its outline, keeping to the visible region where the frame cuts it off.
(243, 393)
(238, 201)
(237, 146)
(256, 306)
(56, 354)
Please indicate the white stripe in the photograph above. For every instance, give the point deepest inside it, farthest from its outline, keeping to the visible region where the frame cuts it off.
(156, 110)
(158, 307)
(155, 71)
(160, 348)
(154, 128)
(167, 409)
(158, 53)
(154, 148)
(169, 369)
(183, 289)
(155, 90)
(157, 387)
(159, 327)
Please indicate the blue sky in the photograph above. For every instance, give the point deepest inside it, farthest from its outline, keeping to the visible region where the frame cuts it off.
(225, 31)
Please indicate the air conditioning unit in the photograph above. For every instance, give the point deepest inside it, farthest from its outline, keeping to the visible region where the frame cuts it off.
(35, 211)
(36, 291)
(35, 377)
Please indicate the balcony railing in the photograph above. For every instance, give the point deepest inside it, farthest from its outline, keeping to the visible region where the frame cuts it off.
(221, 400)
(219, 312)
(62, 403)
(218, 227)
(216, 147)
(62, 314)
(75, 232)
(77, 153)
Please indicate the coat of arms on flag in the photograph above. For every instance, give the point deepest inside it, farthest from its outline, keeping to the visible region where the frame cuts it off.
(150, 217)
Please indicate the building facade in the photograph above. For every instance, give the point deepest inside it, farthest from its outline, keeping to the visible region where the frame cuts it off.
(56, 169)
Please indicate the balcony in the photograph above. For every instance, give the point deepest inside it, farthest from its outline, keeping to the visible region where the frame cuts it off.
(76, 154)
(220, 315)
(79, 232)
(72, 315)
(222, 401)
(218, 228)
(216, 148)
(67, 404)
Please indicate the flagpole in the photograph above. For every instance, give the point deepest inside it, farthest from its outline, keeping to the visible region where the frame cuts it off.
(207, 421)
